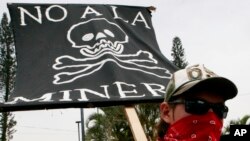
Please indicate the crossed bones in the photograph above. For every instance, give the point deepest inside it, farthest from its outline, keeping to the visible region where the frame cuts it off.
(75, 68)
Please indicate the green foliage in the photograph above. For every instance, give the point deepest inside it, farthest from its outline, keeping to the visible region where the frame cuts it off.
(241, 121)
(7, 117)
(178, 54)
(149, 114)
(109, 125)
(112, 125)
(96, 126)
(7, 76)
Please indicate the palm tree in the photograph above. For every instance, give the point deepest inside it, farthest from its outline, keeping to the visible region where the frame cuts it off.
(108, 124)
(96, 125)
(243, 121)
(149, 114)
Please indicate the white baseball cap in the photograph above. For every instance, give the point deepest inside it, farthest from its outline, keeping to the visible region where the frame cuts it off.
(198, 77)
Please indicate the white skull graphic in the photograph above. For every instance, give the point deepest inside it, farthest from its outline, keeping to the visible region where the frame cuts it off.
(97, 36)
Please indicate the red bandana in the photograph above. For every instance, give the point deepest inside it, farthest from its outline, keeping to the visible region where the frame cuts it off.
(195, 128)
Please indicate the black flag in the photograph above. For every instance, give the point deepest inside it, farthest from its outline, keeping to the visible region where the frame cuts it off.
(77, 55)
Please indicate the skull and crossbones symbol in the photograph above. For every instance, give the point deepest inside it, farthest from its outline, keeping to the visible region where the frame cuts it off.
(103, 44)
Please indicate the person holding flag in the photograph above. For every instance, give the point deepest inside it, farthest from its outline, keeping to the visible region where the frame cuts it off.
(194, 105)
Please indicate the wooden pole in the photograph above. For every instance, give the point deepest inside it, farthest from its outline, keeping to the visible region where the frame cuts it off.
(135, 124)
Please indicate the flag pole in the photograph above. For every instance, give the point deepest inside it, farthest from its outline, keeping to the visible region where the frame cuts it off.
(134, 123)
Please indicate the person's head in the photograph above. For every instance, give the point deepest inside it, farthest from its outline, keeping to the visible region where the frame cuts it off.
(195, 91)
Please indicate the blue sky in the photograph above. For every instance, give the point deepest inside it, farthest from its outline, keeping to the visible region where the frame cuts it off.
(215, 33)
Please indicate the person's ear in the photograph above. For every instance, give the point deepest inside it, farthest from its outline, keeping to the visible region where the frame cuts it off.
(165, 112)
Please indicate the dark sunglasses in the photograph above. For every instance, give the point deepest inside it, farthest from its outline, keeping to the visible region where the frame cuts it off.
(199, 107)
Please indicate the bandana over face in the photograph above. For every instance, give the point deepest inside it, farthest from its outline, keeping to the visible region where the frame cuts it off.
(195, 128)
